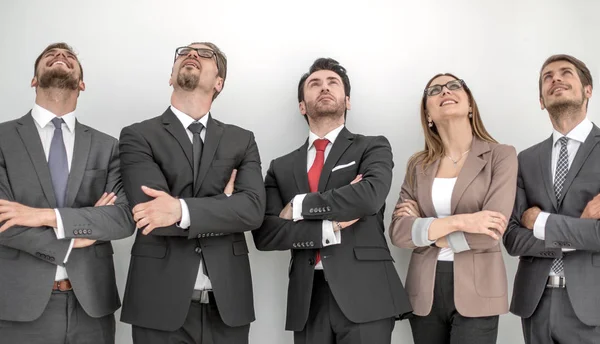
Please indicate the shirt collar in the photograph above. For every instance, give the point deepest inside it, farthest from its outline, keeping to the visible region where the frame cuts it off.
(579, 133)
(43, 117)
(331, 136)
(186, 120)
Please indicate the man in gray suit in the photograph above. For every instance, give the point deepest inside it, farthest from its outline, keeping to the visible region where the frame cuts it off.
(61, 202)
(554, 228)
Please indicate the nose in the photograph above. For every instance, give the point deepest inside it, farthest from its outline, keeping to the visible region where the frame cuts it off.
(193, 53)
(445, 90)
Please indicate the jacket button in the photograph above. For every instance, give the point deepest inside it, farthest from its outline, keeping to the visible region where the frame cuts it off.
(311, 243)
(197, 250)
(199, 236)
(311, 261)
(75, 232)
(311, 210)
(328, 208)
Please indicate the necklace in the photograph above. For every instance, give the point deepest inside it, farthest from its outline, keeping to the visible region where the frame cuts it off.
(459, 159)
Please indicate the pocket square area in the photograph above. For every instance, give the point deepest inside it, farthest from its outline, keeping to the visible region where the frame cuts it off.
(339, 167)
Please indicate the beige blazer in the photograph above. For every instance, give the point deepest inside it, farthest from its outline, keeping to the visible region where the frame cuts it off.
(487, 181)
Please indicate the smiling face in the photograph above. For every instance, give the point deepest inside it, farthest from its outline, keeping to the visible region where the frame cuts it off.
(562, 89)
(450, 103)
(195, 71)
(58, 67)
(324, 95)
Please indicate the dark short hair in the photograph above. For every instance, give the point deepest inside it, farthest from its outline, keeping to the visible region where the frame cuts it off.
(325, 64)
(582, 70)
(221, 63)
(59, 45)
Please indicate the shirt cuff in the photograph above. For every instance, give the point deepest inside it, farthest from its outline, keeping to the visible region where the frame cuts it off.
(420, 231)
(458, 242)
(539, 226)
(60, 228)
(297, 207)
(228, 195)
(185, 215)
(69, 251)
(330, 237)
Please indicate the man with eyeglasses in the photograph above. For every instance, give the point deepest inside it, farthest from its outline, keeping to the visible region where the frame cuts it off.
(555, 227)
(61, 203)
(189, 278)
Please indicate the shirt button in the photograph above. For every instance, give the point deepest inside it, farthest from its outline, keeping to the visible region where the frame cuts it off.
(327, 241)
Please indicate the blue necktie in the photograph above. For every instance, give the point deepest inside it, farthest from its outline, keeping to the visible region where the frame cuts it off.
(58, 164)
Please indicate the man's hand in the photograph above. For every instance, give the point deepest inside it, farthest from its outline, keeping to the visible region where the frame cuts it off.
(529, 216)
(592, 209)
(442, 242)
(106, 199)
(230, 184)
(16, 214)
(164, 210)
(82, 242)
(407, 208)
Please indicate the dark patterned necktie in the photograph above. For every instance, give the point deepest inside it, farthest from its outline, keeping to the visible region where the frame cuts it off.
(198, 145)
(562, 168)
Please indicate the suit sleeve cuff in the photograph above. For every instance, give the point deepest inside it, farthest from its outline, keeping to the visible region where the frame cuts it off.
(69, 251)
(420, 231)
(539, 226)
(330, 237)
(458, 242)
(60, 228)
(185, 215)
(297, 207)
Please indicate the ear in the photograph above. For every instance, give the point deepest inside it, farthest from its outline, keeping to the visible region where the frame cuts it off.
(302, 107)
(34, 82)
(81, 85)
(348, 106)
(587, 91)
(542, 105)
(219, 85)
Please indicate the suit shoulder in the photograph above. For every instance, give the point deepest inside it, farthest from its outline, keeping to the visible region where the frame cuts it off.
(234, 129)
(371, 139)
(502, 150)
(99, 135)
(8, 125)
(145, 124)
(530, 152)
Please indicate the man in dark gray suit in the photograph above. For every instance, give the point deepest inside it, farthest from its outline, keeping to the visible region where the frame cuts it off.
(554, 228)
(325, 203)
(61, 202)
(189, 278)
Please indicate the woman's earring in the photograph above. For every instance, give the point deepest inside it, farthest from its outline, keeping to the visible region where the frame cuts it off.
(430, 123)
(470, 115)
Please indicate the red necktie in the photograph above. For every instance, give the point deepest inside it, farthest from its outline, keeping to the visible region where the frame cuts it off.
(314, 173)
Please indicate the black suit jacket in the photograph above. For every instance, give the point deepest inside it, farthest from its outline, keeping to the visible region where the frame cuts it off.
(29, 256)
(164, 265)
(360, 270)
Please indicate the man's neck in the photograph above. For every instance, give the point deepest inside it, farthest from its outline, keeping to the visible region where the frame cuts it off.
(58, 101)
(567, 121)
(324, 125)
(193, 104)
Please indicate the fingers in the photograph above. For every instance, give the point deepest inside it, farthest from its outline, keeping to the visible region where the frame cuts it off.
(142, 223)
(106, 199)
(356, 179)
(148, 229)
(232, 178)
(140, 207)
(231, 183)
(151, 192)
(99, 202)
(139, 215)
(112, 200)
(7, 225)
(491, 233)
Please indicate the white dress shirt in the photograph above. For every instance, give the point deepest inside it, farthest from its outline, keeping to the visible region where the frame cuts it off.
(43, 122)
(441, 196)
(330, 237)
(202, 281)
(576, 137)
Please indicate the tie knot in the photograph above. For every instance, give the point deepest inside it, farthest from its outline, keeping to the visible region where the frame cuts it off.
(321, 144)
(563, 140)
(196, 127)
(57, 121)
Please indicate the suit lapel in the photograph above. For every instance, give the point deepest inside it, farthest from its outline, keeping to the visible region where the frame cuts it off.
(425, 181)
(582, 154)
(31, 139)
(471, 168)
(81, 151)
(342, 142)
(545, 162)
(300, 173)
(174, 127)
(211, 141)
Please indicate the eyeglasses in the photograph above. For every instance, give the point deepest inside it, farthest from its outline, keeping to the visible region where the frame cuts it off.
(452, 85)
(202, 52)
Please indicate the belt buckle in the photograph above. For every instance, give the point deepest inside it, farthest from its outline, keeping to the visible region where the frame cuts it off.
(201, 296)
(556, 282)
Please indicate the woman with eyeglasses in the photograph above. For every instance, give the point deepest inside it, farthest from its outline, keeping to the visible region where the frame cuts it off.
(454, 205)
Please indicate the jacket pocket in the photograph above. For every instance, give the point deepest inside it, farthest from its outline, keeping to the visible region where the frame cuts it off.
(149, 250)
(490, 274)
(372, 253)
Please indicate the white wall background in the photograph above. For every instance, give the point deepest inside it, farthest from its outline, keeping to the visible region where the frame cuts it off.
(390, 49)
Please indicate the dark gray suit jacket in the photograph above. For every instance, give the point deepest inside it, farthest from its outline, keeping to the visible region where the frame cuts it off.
(164, 265)
(29, 256)
(360, 270)
(564, 229)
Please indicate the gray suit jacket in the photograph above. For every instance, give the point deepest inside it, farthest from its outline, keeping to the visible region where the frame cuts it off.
(29, 256)
(564, 229)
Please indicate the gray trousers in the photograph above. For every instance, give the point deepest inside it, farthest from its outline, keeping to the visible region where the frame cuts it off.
(554, 322)
(63, 322)
(328, 325)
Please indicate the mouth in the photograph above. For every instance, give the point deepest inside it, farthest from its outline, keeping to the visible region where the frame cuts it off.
(448, 102)
(325, 97)
(59, 62)
(558, 88)
(190, 63)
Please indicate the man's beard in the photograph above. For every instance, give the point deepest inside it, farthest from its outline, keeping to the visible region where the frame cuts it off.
(565, 107)
(187, 81)
(316, 110)
(58, 78)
